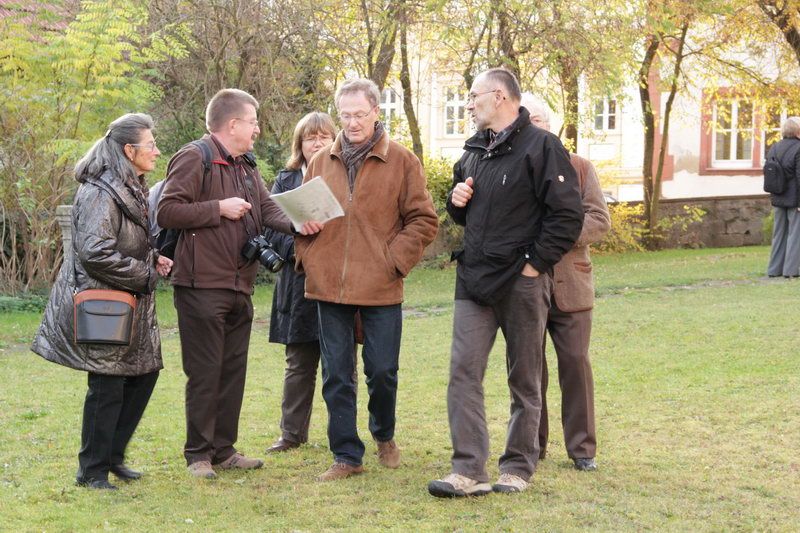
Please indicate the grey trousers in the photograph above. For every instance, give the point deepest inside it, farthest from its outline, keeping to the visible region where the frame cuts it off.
(784, 259)
(570, 333)
(522, 316)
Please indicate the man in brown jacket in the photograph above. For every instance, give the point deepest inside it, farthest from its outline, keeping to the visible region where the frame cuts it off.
(218, 211)
(570, 318)
(357, 264)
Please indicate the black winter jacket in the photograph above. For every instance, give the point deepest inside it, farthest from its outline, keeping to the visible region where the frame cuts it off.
(293, 318)
(787, 151)
(526, 207)
(112, 250)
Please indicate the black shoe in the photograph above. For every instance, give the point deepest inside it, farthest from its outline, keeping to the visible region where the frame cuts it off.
(585, 464)
(91, 483)
(282, 445)
(124, 473)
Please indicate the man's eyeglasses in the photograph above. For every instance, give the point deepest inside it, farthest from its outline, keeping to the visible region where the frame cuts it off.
(252, 121)
(147, 146)
(347, 117)
(472, 96)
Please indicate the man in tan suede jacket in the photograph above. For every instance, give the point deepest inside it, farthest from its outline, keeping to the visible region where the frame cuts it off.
(570, 318)
(357, 264)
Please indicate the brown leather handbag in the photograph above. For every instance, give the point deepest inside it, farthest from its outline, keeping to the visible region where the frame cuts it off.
(103, 316)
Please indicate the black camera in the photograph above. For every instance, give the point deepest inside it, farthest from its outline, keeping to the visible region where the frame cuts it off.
(260, 248)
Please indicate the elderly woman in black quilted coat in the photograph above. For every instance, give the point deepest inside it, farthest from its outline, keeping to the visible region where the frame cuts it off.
(111, 250)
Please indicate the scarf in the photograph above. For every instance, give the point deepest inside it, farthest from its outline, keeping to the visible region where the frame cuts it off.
(354, 155)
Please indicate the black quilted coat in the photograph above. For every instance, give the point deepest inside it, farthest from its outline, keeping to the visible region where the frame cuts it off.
(112, 250)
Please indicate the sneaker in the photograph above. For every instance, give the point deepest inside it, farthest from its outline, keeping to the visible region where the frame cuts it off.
(339, 471)
(585, 464)
(457, 486)
(508, 483)
(202, 469)
(388, 453)
(241, 462)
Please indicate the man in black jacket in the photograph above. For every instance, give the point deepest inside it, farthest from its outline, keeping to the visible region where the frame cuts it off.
(518, 197)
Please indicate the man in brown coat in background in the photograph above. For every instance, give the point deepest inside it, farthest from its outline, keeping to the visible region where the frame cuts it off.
(570, 318)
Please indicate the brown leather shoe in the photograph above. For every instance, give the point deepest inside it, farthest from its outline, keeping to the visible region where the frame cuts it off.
(282, 445)
(241, 462)
(388, 453)
(339, 471)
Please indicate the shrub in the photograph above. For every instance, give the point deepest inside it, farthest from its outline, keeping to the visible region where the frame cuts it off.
(626, 231)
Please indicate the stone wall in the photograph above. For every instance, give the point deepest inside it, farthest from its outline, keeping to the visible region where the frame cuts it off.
(729, 221)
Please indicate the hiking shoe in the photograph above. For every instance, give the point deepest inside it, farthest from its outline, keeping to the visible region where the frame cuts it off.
(240, 462)
(339, 471)
(585, 464)
(508, 483)
(388, 453)
(457, 486)
(202, 469)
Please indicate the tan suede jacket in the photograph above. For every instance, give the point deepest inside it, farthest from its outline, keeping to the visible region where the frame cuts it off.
(573, 287)
(389, 219)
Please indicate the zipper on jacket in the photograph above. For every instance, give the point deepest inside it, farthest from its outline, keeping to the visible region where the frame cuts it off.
(349, 219)
(193, 259)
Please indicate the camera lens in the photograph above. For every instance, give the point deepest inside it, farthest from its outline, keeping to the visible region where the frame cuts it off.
(271, 261)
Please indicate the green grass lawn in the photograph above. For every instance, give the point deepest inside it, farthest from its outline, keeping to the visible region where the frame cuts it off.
(697, 379)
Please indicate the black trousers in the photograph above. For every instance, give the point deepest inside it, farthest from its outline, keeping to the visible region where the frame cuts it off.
(112, 410)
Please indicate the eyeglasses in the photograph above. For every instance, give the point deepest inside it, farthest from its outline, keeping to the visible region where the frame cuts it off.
(151, 146)
(252, 121)
(315, 138)
(472, 96)
(347, 117)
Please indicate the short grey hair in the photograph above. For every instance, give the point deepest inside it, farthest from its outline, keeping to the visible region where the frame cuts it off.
(505, 78)
(226, 105)
(791, 127)
(535, 106)
(360, 85)
(108, 153)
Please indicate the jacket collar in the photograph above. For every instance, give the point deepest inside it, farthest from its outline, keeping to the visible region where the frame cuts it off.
(122, 195)
(482, 139)
(380, 150)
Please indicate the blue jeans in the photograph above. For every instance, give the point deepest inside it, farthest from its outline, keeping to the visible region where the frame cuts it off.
(382, 330)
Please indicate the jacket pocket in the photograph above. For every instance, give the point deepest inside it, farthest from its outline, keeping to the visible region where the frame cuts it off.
(581, 266)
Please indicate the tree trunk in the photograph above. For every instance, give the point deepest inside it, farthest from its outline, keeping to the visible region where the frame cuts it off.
(662, 152)
(649, 127)
(378, 67)
(509, 56)
(405, 81)
(569, 83)
(784, 20)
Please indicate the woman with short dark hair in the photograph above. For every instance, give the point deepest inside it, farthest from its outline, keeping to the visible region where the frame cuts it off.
(111, 249)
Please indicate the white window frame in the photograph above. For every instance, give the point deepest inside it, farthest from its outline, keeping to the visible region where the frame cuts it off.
(390, 108)
(765, 130)
(734, 133)
(606, 114)
(455, 102)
